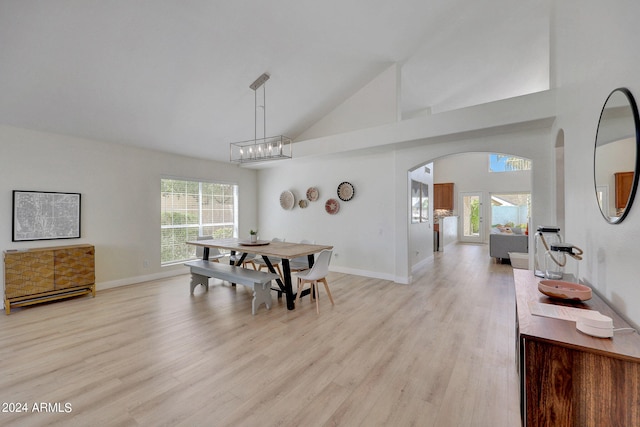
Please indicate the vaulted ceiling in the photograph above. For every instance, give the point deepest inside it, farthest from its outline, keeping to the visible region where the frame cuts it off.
(174, 75)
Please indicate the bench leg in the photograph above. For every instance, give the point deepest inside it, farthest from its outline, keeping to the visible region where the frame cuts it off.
(261, 294)
(198, 279)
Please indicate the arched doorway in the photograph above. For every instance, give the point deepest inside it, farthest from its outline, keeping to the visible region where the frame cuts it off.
(475, 183)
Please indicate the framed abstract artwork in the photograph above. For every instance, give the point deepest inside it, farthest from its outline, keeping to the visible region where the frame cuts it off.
(45, 215)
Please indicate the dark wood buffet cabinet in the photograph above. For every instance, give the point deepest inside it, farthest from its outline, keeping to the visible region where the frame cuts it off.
(568, 378)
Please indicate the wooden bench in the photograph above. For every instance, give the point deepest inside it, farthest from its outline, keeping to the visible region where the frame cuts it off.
(259, 281)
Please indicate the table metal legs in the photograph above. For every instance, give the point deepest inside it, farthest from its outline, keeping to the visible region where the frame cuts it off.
(285, 287)
(286, 272)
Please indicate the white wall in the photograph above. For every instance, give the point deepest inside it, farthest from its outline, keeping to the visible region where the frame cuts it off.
(595, 45)
(361, 232)
(120, 189)
(378, 98)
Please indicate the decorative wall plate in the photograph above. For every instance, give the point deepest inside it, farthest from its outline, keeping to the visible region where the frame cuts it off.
(332, 206)
(312, 194)
(345, 191)
(303, 203)
(287, 200)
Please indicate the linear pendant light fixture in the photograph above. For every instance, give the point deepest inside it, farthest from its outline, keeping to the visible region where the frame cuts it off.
(265, 148)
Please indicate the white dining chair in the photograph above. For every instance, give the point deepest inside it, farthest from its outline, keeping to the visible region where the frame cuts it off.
(214, 253)
(301, 263)
(315, 274)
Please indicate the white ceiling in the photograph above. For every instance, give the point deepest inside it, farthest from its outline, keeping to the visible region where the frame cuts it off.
(174, 75)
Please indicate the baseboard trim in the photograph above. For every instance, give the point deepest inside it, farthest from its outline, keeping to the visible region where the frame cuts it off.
(138, 279)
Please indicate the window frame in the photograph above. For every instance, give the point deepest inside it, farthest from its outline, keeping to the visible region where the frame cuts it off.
(527, 163)
(193, 227)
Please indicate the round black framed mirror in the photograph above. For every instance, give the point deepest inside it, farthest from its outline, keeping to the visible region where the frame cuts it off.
(616, 155)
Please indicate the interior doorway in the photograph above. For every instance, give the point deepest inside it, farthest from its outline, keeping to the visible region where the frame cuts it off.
(472, 224)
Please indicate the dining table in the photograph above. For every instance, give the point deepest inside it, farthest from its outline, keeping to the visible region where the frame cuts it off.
(286, 251)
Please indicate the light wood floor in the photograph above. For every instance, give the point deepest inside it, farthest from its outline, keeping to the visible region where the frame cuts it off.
(439, 352)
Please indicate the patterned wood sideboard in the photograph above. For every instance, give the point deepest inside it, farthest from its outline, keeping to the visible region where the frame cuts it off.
(37, 275)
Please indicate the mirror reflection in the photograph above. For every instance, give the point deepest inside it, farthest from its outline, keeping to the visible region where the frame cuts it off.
(616, 154)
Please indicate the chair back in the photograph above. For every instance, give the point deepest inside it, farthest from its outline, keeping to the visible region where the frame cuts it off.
(200, 249)
(302, 259)
(320, 268)
(272, 259)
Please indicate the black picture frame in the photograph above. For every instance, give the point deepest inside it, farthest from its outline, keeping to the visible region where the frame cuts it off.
(45, 215)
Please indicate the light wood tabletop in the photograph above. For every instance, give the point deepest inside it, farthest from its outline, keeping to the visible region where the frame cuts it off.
(285, 250)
